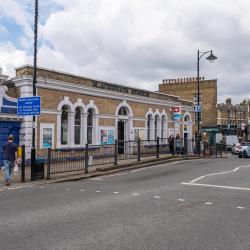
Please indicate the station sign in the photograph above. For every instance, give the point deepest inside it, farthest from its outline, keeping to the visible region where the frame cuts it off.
(29, 106)
(177, 113)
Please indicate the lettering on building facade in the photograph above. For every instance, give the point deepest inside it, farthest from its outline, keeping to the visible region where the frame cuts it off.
(122, 89)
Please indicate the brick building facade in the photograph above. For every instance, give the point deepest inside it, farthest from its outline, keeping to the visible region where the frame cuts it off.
(233, 118)
(186, 88)
(76, 110)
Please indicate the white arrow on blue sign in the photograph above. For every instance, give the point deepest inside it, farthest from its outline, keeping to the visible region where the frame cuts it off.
(197, 108)
(29, 106)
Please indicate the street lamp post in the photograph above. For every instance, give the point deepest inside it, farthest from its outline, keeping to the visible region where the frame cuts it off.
(33, 149)
(210, 58)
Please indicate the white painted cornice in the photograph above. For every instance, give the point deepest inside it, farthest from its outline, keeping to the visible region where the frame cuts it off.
(88, 90)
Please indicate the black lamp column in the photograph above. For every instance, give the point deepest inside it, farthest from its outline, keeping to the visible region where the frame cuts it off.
(210, 58)
(33, 149)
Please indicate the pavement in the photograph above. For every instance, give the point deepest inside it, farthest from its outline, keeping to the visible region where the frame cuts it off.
(95, 171)
(182, 205)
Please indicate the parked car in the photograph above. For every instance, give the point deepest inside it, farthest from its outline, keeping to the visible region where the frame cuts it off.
(236, 148)
(244, 150)
(229, 141)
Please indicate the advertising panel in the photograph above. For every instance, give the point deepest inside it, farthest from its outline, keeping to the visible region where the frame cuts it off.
(177, 113)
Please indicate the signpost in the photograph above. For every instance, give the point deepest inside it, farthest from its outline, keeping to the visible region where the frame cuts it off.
(29, 106)
(197, 109)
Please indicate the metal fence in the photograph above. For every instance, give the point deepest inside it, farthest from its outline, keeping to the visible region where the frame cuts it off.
(65, 160)
(80, 159)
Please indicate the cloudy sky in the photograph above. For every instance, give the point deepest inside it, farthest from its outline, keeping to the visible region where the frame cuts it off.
(133, 42)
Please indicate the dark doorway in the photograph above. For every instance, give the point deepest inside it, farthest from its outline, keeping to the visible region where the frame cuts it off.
(121, 136)
(185, 143)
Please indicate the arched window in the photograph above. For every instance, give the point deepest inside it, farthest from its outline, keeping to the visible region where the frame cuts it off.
(90, 123)
(122, 111)
(78, 126)
(156, 125)
(149, 121)
(64, 125)
(163, 126)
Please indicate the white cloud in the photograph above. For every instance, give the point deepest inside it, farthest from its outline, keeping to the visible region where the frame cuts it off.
(17, 11)
(10, 58)
(141, 42)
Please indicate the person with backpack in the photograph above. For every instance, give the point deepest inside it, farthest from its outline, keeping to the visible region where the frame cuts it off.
(9, 157)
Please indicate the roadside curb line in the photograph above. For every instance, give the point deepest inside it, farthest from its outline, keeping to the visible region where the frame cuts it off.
(121, 169)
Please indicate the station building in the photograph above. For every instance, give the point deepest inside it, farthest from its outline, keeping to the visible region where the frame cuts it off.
(76, 110)
(10, 123)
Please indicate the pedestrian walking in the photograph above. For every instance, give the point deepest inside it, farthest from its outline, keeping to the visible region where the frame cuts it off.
(171, 144)
(178, 144)
(9, 157)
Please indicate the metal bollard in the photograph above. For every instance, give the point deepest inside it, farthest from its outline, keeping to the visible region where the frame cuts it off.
(23, 164)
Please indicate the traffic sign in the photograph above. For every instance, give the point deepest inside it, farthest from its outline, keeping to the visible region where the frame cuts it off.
(29, 106)
(197, 108)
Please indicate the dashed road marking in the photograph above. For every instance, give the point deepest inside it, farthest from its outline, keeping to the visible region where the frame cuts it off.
(98, 191)
(157, 197)
(242, 208)
(14, 188)
(41, 187)
(116, 192)
(181, 200)
(208, 203)
(82, 190)
(135, 194)
(67, 189)
(96, 179)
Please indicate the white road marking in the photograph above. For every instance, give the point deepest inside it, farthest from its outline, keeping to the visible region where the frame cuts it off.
(208, 203)
(98, 191)
(135, 194)
(41, 187)
(157, 197)
(215, 186)
(181, 200)
(112, 175)
(241, 208)
(219, 173)
(155, 166)
(96, 179)
(67, 189)
(116, 192)
(82, 190)
(14, 188)
(54, 188)
(137, 170)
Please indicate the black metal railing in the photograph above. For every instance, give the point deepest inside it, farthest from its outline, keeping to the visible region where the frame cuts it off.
(80, 159)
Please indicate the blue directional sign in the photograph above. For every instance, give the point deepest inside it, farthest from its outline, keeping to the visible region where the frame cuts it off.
(29, 106)
(197, 109)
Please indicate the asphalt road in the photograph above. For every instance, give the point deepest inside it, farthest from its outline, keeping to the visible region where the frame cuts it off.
(202, 204)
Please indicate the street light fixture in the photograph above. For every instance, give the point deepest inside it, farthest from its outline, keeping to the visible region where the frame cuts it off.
(211, 58)
(33, 149)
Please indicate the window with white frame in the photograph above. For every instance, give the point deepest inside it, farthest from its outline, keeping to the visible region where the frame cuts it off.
(156, 125)
(163, 126)
(149, 127)
(78, 117)
(90, 124)
(64, 125)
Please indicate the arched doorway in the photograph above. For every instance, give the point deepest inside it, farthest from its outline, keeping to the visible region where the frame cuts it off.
(187, 133)
(122, 129)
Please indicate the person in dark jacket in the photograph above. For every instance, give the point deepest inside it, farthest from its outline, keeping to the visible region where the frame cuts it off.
(171, 144)
(9, 157)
